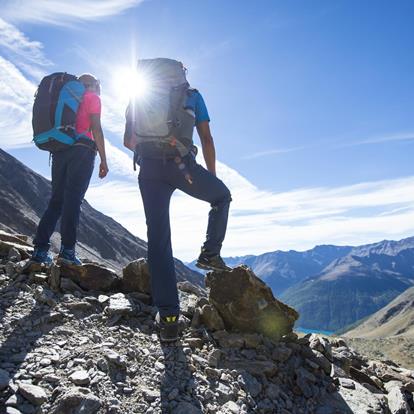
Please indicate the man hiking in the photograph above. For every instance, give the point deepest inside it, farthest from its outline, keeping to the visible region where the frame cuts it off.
(72, 169)
(159, 128)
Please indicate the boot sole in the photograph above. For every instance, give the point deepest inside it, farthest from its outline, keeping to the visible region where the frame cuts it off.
(61, 260)
(209, 267)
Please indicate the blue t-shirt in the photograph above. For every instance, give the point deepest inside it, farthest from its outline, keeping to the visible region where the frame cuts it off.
(196, 103)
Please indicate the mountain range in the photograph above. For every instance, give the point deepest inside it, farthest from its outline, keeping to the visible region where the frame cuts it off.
(395, 319)
(24, 195)
(333, 287)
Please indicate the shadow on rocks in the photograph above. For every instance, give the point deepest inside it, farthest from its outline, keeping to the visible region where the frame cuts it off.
(20, 334)
(178, 385)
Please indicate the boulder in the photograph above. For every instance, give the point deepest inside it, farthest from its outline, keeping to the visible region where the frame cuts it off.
(136, 277)
(91, 276)
(247, 304)
(76, 401)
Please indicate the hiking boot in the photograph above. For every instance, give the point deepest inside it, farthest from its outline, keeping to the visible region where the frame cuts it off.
(42, 256)
(208, 261)
(68, 256)
(168, 327)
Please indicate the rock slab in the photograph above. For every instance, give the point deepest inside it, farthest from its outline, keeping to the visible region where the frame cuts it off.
(247, 304)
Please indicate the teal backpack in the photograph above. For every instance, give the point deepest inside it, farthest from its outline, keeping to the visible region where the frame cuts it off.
(54, 111)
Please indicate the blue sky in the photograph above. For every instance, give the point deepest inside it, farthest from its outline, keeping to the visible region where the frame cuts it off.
(310, 102)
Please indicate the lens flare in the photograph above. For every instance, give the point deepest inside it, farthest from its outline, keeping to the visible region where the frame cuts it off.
(131, 84)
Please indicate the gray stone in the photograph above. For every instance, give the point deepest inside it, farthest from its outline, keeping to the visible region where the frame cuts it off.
(224, 393)
(4, 379)
(80, 377)
(77, 401)
(230, 408)
(68, 285)
(150, 395)
(347, 383)
(33, 393)
(213, 358)
(362, 401)
(322, 361)
(54, 278)
(397, 400)
(273, 391)
(211, 318)
(281, 353)
(12, 410)
(119, 305)
(229, 340)
(39, 278)
(189, 287)
(252, 340)
(257, 368)
(186, 408)
(249, 384)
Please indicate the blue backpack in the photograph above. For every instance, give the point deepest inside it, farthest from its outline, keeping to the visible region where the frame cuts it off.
(54, 111)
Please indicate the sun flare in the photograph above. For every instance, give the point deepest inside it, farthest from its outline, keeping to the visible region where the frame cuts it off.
(129, 84)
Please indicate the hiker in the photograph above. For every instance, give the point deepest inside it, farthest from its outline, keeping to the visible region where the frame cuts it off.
(159, 129)
(72, 164)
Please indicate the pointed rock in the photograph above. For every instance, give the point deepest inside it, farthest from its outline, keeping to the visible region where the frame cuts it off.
(247, 304)
(136, 277)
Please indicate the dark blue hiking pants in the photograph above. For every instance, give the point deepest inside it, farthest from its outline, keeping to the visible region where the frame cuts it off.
(157, 181)
(71, 172)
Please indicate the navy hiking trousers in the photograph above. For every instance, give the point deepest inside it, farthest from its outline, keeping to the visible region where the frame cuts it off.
(71, 173)
(158, 179)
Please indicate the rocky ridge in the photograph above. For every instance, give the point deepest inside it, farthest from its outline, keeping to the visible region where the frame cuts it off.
(68, 347)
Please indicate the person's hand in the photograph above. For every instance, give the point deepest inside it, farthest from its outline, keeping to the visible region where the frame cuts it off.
(103, 169)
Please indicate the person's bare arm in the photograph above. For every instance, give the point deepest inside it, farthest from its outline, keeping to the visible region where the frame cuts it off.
(100, 143)
(207, 145)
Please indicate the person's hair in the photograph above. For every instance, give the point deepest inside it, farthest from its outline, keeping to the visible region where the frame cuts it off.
(89, 80)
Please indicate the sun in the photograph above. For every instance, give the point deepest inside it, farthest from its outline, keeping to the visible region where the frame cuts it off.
(130, 84)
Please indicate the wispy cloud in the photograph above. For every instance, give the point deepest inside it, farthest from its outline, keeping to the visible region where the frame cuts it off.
(337, 144)
(403, 136)
(262, 220)
(274, 151)
(19, 45)
(61, 12)
(16, 100)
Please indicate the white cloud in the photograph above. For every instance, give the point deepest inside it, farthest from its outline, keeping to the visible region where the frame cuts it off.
(264, 221)
(16, 100)
(18, 45)
(404, 136)
(60, 12)
(119, 162)
(274, 151)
